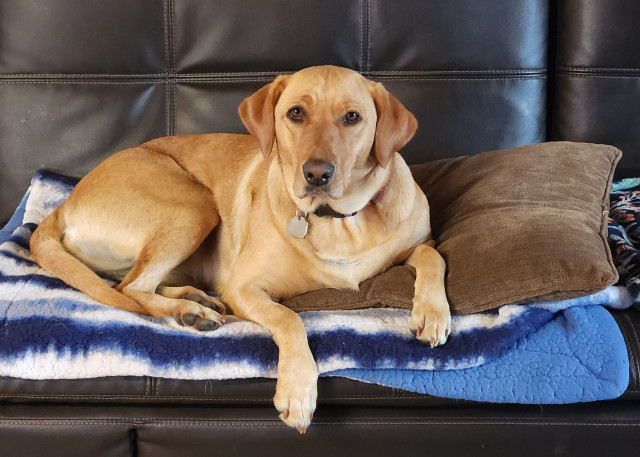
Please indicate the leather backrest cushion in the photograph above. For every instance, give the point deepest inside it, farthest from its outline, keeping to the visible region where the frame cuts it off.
(597, 93)
(82, 80)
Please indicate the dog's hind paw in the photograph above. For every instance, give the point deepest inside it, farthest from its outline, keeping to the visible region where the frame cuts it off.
(210, 302)
(198, 316)
(197, 322)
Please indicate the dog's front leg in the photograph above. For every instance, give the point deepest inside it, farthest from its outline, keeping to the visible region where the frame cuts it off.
(296, 388)
(430, 316)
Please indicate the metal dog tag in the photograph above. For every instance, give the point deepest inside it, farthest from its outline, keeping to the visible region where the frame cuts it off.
(298, 226)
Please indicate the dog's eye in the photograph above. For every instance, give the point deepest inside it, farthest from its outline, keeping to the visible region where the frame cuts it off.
(351, 118)
(296, 114)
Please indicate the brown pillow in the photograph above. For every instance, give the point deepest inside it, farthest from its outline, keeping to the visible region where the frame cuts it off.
(516, 225)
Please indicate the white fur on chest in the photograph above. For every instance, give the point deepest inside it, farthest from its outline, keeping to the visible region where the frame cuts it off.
(341, 272)
(350, 253)
(348, 272)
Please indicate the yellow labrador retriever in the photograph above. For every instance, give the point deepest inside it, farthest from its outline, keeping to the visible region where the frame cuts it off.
(316, 197)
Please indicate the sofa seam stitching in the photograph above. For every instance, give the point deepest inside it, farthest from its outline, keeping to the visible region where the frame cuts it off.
(174, 86)
(171, 73)
(167, 114)
(197, 399)
(579, 68)
(368, 68)
(362, 35)
(172, 82)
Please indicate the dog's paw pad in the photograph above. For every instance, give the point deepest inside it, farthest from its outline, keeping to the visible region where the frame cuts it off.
(205, 325)
(198, 317)
(187, 319)
(201, 324)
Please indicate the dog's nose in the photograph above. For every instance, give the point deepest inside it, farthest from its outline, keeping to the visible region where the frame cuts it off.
(318, 172)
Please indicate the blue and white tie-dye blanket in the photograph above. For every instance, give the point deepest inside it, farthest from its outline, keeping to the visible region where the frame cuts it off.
(557, 352)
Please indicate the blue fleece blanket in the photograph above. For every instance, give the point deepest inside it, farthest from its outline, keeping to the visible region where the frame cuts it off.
(553, 352)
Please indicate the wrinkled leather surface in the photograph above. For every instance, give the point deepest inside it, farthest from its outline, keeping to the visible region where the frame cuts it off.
(629, 323)
(598, 77)
(81, 80)
(243, 392)
(464, 429)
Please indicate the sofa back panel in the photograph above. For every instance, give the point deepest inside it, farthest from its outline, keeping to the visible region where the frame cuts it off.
(210, 107)
(88, 36)
(602, 33)
(598, 77)
(70, 126)
(457, 35)
(475, 83)
(82, 80)
(228, 36)
(480, 113)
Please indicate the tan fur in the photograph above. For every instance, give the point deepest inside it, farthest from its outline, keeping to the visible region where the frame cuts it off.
(211, 211)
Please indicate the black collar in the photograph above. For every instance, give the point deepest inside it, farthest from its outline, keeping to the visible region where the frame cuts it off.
(326, 210)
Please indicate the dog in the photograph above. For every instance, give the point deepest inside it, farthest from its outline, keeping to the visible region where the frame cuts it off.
(317, 196)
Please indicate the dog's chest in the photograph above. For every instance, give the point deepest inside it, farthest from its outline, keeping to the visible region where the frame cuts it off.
(347, 272)
(351, 251)
(348, 251)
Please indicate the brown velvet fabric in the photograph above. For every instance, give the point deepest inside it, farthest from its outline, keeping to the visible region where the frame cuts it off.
(390, 289)
(523, 224)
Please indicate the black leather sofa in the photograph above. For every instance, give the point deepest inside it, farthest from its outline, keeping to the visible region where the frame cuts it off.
(80, 80)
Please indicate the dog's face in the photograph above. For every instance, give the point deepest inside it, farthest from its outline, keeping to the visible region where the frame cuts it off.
(335, 133)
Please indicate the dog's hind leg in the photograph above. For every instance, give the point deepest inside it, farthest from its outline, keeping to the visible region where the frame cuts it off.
(142, 282)
(166, 251)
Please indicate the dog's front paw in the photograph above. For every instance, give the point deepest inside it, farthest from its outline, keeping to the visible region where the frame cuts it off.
(197, 316)
(431, 324)
(296, 394)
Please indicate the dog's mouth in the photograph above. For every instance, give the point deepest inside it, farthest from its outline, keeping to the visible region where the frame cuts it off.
(321, 204)
(310, 199)
(313, 198)
(318, 196)
(329, 191)
(312, 191)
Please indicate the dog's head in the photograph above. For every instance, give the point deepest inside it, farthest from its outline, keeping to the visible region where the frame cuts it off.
(335, 133)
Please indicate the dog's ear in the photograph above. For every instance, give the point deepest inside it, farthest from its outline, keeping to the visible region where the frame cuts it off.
(395, 125)
(257, 113)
